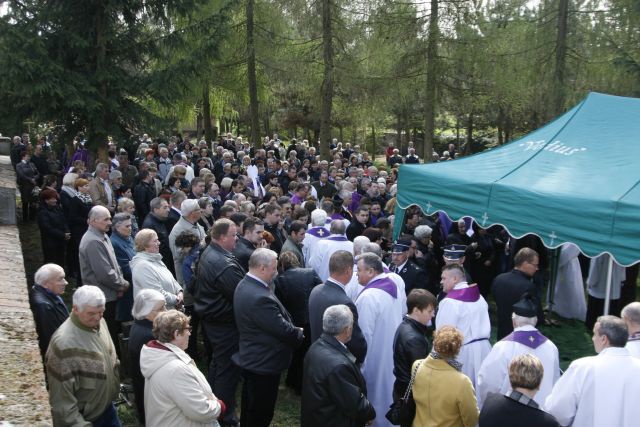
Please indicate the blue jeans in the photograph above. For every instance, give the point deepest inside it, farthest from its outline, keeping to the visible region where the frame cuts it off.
(109, 418)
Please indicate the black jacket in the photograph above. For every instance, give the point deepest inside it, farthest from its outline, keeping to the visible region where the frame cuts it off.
(507, 290)
(143, 193)
(278, 235)
(77, 215)
(49, 312)
(414, 277)
(323, 297)
(334, 393)
(409, 345)
(293, 288)
(53, 226)
(502, 411)
(355, 229)
(243, 251)
(157, 225)
(140, 334)
(172, 220)
(267, 335)
(218, 275)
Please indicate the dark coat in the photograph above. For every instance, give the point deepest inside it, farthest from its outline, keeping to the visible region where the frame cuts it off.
(49, 312)
(507, 290)
(219, 273)
(293, 288)
(355, 229)
(501, 411)
(143, 193)
(157, 225)
(328, 190)
(53, 226)
(172, 220)
(414, 277)
(334, 393)
(77, 215)
(323, 297)
(409, 345)
(243, 251)
(279, 236)
(267, 334)
(140, 334)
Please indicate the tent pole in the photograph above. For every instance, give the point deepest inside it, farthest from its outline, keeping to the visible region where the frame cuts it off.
(607, 297)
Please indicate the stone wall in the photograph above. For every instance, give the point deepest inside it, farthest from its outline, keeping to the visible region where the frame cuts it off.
(23, 396)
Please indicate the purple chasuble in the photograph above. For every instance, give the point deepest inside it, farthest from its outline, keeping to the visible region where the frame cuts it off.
(319, 232)
(470, 294)
(532, 339)
(335, 216)
(384, 284)
(337, 238)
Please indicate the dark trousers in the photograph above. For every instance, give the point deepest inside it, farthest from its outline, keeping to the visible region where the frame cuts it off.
(595, 309)
(109, 418)
(259, 395)
(294, 374)
(223, 375)
(112, 324)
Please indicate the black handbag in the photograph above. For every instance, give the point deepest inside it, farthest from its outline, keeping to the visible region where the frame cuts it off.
(403, 410)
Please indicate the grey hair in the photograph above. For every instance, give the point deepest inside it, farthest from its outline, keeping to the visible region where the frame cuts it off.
(125, 202)
(115, 174)
(631, 312)
(523, 321)
(374, 248)
(359, 243)
(318, 217)
(156, 203)
(144, 302)
(614, 329)
(371, 260)
(46, 273)
(188, 206)
(98, 211)
(119, 218)
(261, 257)
(69, 179)
(88, 295)
(336, 319)
(101, 167)
(422, 232)
(337, 227)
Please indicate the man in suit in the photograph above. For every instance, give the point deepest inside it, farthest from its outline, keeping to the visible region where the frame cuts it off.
(334, 391)
(518, 407)
(331, 293)
(100, 188)
(323, 187)
(174, 212)
(414, 277)
(252, 238)
(267, 339)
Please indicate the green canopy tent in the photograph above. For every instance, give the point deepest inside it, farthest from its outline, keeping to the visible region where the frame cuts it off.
(573, 180)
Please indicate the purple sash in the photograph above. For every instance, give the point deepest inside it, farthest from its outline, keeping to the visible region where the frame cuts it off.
(470, 294)
(384, 284)
(532, 339)
(335, 216)
(338, 238)
(319, 232)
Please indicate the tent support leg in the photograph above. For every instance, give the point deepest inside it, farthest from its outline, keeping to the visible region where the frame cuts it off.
(607, 297)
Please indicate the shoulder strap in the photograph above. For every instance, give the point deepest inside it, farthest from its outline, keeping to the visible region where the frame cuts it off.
(413, 377)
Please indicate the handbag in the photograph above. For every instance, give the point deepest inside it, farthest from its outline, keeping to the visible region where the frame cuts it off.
(403, 410)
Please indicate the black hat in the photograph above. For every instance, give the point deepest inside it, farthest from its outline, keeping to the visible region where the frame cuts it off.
(337, 200)
(526, 307)
(454, 252)
(401, 245)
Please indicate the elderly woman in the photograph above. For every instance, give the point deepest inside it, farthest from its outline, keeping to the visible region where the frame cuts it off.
(206, 215)
(444, 396)
(147, 305)
(54, 231)
(126, 205)
(176, 393)
(292, 287)
(149, 272)
(122, 243)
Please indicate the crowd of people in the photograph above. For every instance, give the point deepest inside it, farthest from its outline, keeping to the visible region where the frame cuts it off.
(260, 259)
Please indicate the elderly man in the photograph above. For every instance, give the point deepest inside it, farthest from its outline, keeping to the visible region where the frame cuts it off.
(600, 390)
(380, 314)
(631, 316)
(525, 339)
(267, 339)
(100, 188)
(465, 309)
(156, 221)
(82, 365)
(218, 276)
(509, 287)
(49, 311)
(323, 249)
(315, 233)
(189, 215)
(517, 406)
(332, 292)
(99, 265)
(333, 390)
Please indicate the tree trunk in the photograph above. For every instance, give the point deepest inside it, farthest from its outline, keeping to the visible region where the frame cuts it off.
(373, 140)
(399, 131)
(97, 129)
(430, 87)
(467, 148)
(206, 114)
(500, 125)
(267, 124)
(327, 81)
(254, 122)
(561, 56)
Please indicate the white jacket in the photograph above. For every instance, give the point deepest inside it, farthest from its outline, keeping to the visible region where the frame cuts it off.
(175, 391)
(149, 272)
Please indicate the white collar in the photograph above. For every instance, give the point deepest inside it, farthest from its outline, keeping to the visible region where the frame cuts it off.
(461, 285)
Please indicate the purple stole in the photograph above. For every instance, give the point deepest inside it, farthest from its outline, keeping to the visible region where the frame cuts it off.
(355, 201)
(384, 284)
(338, 238)
(470, 294)
(319, 232)
(335, 216)
(532, 339)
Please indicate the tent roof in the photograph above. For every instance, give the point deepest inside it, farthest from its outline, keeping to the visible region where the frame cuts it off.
(573, 180)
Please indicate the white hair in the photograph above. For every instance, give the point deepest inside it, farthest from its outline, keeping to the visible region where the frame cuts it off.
(144, 303)
(336, 319)
(359, 243)
(422, 232)
(47, 272)
(318, 217)
(188, 206)
(69, 179)
(262, 257)
(519, 321)
(88, 295)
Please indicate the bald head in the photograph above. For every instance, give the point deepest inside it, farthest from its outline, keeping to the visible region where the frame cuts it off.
(100, 218)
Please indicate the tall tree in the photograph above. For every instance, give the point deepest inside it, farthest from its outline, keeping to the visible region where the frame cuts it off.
(327, 81)
(254, 121)
(430, 96)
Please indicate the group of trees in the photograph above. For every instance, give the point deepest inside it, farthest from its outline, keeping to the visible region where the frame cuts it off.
(316, 69)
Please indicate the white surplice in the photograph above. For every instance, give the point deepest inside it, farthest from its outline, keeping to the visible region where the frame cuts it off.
(634, 347)
(598, 391)
(322, 250)
(472, 319)
(353, 288)
(494, 371)
(569, 299)
(379, 315)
